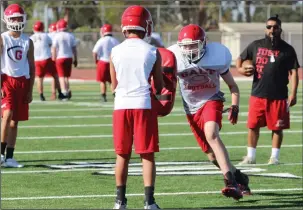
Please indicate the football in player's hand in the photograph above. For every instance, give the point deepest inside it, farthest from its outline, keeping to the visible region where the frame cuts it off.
(248, 68)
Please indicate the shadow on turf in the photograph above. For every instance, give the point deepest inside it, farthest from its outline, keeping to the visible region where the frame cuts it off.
(46, 161)
(278, 202)
(289, 205)
(279, 194)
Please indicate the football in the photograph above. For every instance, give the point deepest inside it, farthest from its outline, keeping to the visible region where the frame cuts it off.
(247, 62)
(248, 67)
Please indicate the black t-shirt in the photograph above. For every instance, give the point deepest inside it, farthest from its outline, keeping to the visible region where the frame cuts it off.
(272, 67)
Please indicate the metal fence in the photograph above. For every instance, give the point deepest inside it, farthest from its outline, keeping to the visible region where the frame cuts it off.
(170, 15)
(236, 42)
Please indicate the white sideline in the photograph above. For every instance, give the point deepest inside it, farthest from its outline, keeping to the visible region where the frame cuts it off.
(161, 149)
(140, 194)
(163, 134)
(110, 125)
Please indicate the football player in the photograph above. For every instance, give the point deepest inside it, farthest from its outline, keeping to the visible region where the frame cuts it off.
(199, 68)
(17, 80)
(132, 64)
(101, 54)
(63, 51)
(52, 29)
(43, 62)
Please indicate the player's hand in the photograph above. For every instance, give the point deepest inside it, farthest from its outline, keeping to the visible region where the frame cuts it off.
(29, 98)
(233, 114)
(2, 94)
(292, 100)
(75, 63)
(248, 70)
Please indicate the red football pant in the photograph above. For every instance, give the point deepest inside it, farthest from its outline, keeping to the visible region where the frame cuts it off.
(135, 125)
(15, 91)
(211, 111)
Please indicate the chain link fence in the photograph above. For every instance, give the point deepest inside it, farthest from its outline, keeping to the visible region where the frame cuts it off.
(168, 19)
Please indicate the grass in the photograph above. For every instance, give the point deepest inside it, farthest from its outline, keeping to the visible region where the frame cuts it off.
(24, 189)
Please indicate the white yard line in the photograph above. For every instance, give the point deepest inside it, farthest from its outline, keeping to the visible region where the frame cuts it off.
(110, 116)
(161, 149)
(99, 107)
(178, 96)
(110, 125)
(73, 109)
(140, 194)
(163, 134)
(96, 94)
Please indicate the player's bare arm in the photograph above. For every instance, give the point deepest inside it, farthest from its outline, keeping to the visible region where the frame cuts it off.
(54, 53)
(95, 57)
(31, 63)
(1, 45)
(113, 76)
(294, 81)
(157, 74)
(1, 49)
(75, 56)
(235, 96)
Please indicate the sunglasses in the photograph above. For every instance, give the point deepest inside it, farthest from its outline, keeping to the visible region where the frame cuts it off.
(272, 26)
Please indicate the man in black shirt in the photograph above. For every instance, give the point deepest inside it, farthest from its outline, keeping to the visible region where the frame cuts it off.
(273, 60)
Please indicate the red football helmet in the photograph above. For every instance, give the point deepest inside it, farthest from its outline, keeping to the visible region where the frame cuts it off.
(137, 18)
(106, 29)
(12, 12)
(192, 41)
(52, 27)
(38, 26)
(61, 25)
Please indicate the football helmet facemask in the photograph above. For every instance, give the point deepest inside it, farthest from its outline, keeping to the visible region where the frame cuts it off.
(14, 17)
(192, 41)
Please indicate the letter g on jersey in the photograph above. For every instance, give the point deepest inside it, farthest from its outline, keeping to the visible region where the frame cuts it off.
(15, 53)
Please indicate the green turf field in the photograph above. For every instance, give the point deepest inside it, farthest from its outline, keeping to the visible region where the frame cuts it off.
(79, 131)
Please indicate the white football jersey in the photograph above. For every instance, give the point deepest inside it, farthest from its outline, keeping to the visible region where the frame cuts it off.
(200, 82)
(133, 60)
(14, 62)
(51, 35)
(64, 43)
(104, 46)
(42, 46)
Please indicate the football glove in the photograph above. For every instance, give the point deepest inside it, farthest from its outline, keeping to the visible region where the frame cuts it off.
(233, 114)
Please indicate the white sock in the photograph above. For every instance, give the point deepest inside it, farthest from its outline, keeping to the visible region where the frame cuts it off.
(251, 152)
(275, 152)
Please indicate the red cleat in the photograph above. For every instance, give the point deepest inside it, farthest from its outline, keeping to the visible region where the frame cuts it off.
(232, 191)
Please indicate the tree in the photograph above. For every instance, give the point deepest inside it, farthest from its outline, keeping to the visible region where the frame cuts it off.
(86, 13)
